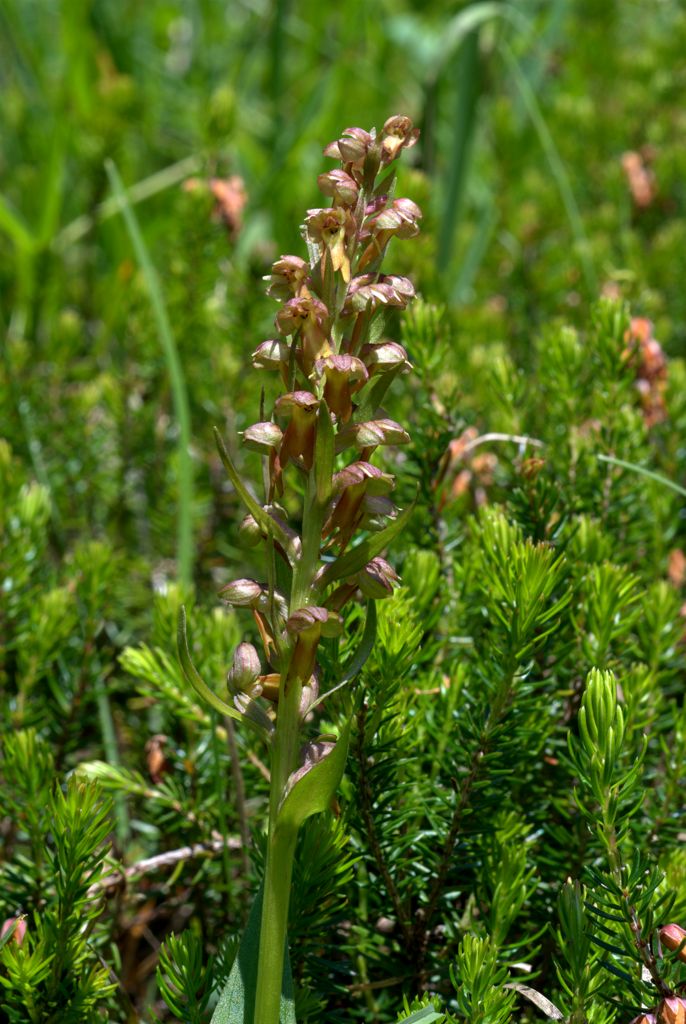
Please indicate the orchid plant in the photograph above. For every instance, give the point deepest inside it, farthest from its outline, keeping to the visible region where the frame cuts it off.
(318, 445)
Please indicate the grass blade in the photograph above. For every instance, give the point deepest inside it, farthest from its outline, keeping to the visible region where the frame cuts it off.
(184, 544)
(168, 177)
(555, 162)
(467, 89)
(644, 472)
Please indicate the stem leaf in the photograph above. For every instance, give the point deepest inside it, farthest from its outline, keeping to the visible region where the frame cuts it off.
(237, 1002)
(310, 790)
(323, 454)
(355, 559)
(194, 679)
(264, 520)
(427, 1015)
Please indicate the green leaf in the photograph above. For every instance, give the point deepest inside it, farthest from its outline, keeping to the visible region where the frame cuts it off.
(323, 454)
(177, 380)
(665, 481)
(622, 975)
(237, 1002)
(14, 226)
(366, 644)
(555, 163)
(373, 396)
(609, 946)
(355, 559)
(426, 1015)
(467, 21)
(360, 656)
(195, 680)
(254, 508)
(310, 789)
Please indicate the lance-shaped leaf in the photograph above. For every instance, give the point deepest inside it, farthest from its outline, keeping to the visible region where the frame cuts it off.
(358, 659)
(373, 396)
(427, 1015)
(323, 454)
(237, 1002)
(269, 526)
(355, 559)
(311, 787)
(195, 680)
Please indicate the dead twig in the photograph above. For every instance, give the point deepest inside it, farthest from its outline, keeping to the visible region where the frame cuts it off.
(163, 860)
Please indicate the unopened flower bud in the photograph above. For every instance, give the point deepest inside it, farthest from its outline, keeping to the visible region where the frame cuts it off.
(645, 1018)
(243, 593)
(352, 147)
(371, 434)
(340, 186)
(377, 579)
(384, 356)
(672, 1010)
(272, 354)
(250, 532)
(673, 937)
(243, 674)
(263, 437)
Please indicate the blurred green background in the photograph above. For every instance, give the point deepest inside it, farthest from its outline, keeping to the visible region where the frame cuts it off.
(527, 110)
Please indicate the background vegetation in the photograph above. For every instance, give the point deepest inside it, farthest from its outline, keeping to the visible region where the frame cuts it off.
(551, 172)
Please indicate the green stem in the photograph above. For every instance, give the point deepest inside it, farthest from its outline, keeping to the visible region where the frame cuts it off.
(286, 744)
(277, 891)
(109, 739)
(279, 866)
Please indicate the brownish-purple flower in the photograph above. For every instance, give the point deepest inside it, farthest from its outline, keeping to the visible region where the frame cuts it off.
(385, 356)
(307, 316)
(308, 625)
(343, 376)
(397, 134)
(350, 487)
(338, 184)
(298, 440)
(352, 147)
(288, 277)
(332, 228)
